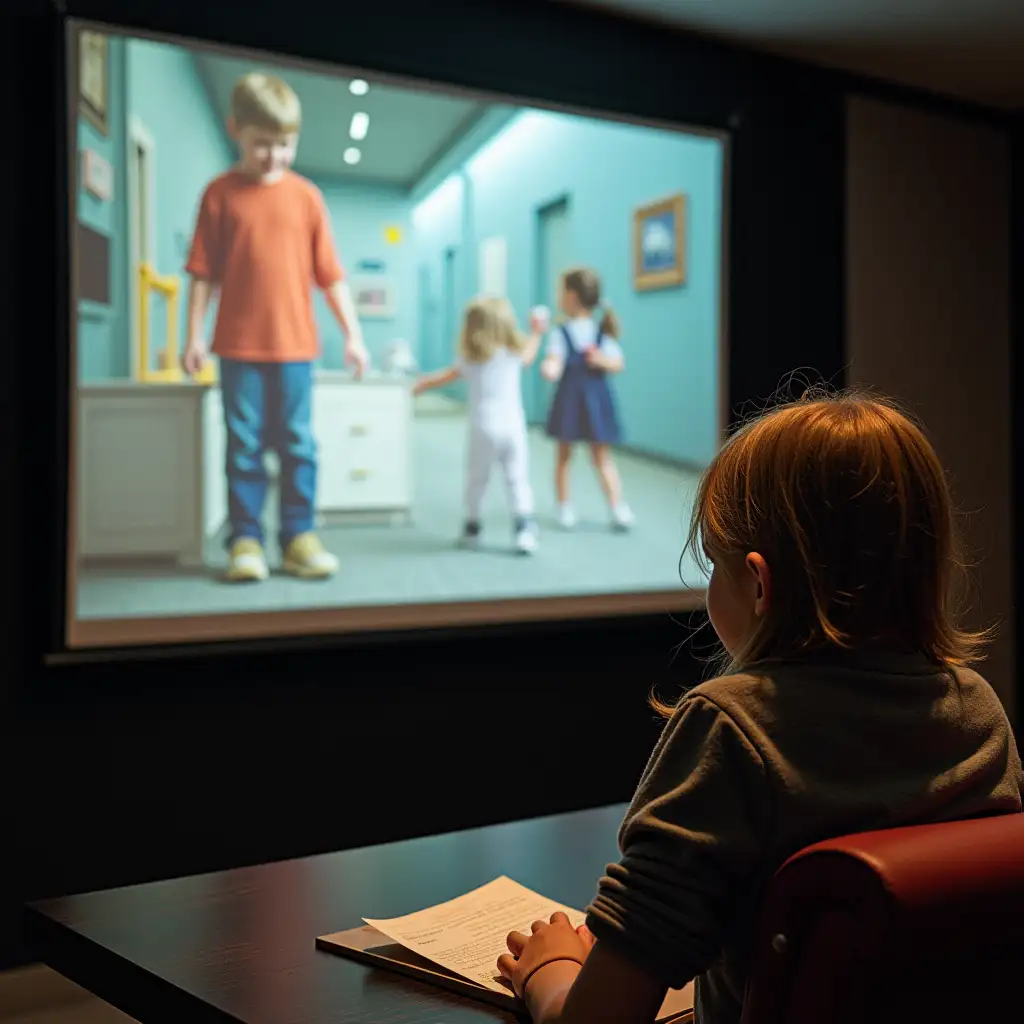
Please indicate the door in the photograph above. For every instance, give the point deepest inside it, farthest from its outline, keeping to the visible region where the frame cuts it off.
(428, 325)
(451, 317)
(552, 260)
(141, 244)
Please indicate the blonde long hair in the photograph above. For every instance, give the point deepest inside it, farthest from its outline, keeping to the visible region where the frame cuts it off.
(488, 325)
(846, 500)
(586, 286)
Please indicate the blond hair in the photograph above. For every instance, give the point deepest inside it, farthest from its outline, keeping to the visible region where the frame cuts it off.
(846, 500)
(586, 286)
(263, 101)
(489, 325)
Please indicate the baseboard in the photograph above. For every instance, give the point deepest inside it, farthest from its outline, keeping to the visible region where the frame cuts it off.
(37, 989)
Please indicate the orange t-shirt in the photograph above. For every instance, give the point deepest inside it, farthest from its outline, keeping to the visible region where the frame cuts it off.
(264, 246)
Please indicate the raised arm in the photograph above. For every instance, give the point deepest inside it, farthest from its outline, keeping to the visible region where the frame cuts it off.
(529, 353)
(437, 379)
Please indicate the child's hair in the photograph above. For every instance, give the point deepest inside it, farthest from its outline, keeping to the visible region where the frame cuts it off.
(586, 286)
(263, 101)
(847, 502)
(487, 326)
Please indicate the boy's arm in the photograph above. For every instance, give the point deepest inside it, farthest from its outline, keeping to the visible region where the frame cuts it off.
(437, 379)
(339, 299)
(200, 293)
(203, 267)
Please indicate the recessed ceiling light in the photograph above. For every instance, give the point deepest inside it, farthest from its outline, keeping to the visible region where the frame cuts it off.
(360, 126)
(352, 155)
(358, 87)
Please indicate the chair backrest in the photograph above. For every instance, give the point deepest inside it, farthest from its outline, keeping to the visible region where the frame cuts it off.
(903, 925)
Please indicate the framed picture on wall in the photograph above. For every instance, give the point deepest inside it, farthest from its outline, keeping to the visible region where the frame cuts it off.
(373, 295)
(93, 79)
(659, 244)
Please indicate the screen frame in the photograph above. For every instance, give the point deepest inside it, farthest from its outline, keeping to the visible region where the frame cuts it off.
(86, 640)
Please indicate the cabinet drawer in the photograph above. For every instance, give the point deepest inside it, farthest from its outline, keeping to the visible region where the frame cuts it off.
(363, 433)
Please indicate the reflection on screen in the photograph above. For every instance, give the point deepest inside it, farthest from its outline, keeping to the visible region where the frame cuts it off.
(351, 355)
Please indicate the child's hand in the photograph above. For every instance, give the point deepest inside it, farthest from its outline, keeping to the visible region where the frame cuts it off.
(550, 370)
(529, 956)
(593, 358)
(418, 388)
(357, 355)
(540, 319)
(194, 359)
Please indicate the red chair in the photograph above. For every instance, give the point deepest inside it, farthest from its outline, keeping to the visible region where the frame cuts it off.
(902, 926)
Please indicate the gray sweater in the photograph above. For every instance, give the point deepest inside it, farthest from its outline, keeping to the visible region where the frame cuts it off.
(752, 768)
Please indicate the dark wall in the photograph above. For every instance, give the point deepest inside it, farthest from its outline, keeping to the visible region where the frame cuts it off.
(121, 772)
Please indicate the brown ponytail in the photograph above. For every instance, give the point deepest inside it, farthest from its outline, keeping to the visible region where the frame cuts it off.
(609, 325)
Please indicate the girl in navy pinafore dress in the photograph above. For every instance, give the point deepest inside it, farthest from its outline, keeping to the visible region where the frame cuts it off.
(581, 355)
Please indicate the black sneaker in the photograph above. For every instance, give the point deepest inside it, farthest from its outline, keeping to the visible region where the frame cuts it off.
(470, 535)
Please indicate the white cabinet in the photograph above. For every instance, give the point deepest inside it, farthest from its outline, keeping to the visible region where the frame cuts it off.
(150, 462)
(363, 434)
(142, 482)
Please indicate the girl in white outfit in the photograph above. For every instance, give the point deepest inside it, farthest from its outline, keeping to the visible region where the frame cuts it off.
(492, 354)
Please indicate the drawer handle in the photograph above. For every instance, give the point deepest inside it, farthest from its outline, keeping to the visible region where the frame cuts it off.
(359, 430)
(360, 474)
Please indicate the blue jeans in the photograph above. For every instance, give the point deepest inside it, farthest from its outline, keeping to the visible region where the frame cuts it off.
(267, 407)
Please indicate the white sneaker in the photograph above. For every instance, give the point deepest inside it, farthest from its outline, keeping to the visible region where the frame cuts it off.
(622, 517)
(566, 517)
(526, 541)
(246, 562)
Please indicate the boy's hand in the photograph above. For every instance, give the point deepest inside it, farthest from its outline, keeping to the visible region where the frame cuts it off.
(194, 359)
(357, 355)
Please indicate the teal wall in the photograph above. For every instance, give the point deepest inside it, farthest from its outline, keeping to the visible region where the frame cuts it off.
(158, 85)
(101, 352)
(359, 216)
(668, 393)
(439, 238)
(165, 93)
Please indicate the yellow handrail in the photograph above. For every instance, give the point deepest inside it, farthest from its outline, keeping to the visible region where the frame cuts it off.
(168, 368)
(168, 287)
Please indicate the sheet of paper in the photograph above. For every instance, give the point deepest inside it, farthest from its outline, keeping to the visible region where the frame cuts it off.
(467, 934)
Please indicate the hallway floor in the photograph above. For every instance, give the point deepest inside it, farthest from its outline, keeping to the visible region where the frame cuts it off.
(419, 562)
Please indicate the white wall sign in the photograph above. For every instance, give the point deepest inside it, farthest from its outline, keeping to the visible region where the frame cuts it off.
(97, 175)
(494, 268)
(374, 296)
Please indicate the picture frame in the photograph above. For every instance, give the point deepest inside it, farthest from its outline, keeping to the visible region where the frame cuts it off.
(373, 296)
(94, 79)
(659, 244)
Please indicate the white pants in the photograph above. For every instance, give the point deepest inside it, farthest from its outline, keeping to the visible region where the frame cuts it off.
(509, 450)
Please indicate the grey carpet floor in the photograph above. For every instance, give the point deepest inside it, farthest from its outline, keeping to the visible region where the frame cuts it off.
(419, 563)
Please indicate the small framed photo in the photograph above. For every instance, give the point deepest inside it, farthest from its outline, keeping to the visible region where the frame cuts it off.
(94, 79)
(373, 295)
(659, 244)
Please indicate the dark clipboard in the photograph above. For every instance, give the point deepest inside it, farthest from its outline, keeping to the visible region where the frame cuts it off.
(368, 946)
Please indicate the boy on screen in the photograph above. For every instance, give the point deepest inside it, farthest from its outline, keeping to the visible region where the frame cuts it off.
(262, 241)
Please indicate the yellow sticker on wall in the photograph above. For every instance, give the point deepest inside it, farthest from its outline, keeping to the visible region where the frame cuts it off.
(392, 234)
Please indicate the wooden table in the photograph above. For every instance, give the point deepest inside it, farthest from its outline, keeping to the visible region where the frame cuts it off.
(239, 945)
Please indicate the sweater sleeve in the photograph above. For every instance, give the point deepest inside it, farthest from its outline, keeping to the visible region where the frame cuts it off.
(694, 833)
